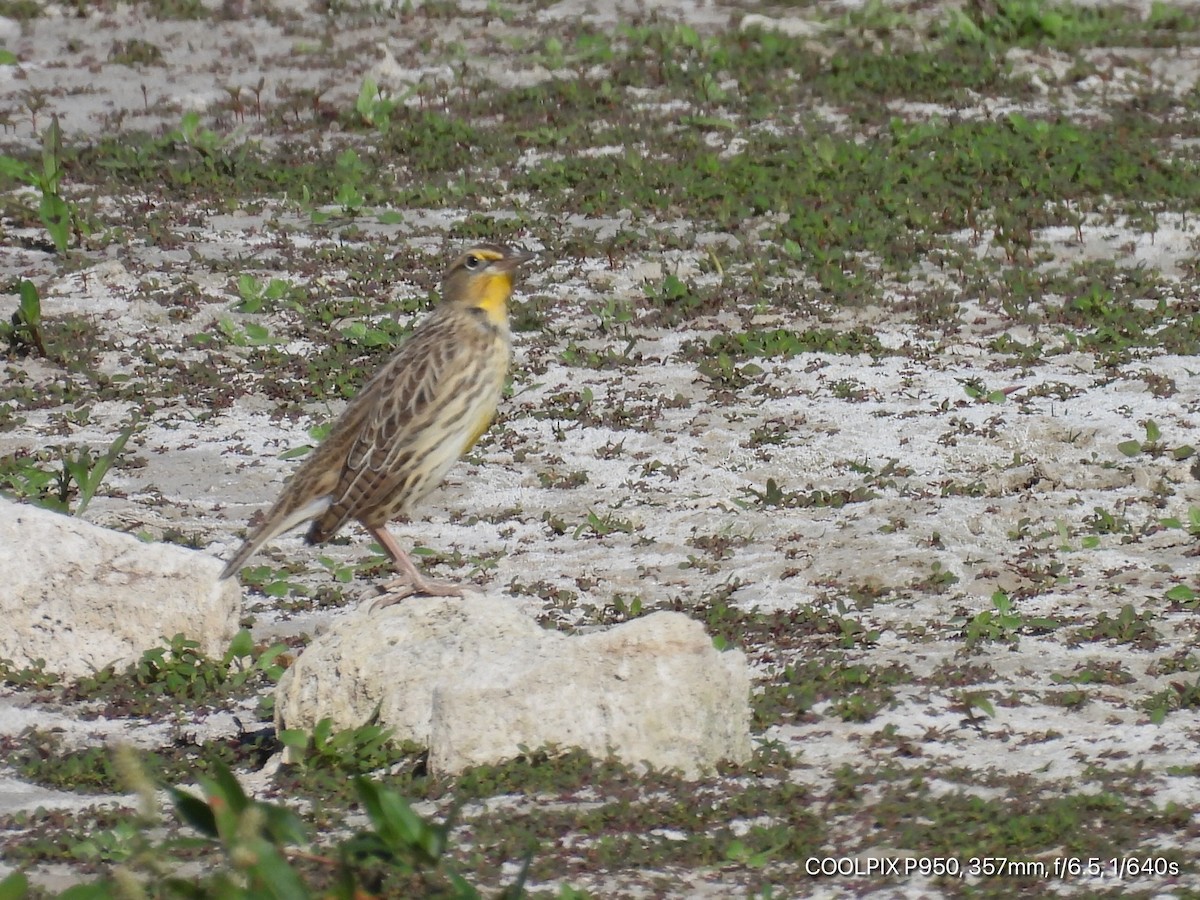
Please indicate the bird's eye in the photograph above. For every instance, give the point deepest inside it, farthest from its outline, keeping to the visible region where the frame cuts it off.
(472, 262)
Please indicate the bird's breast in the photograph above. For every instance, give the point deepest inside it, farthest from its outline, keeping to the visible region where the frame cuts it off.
(485, 393)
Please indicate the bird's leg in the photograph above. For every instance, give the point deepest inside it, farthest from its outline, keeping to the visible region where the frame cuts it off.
(411, 581)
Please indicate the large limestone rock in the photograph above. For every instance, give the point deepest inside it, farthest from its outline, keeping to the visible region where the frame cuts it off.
(81, 597)
(475, 681)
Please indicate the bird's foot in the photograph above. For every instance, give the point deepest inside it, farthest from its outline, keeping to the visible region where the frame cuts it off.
(401, 588)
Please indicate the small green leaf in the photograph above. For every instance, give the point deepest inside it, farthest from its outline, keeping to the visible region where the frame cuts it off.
(98, 890)
(18, 171)
(257, 333)
(266, 661)
(225, 787)
(31, 304)
(51, 157)
(792, 249)
(293, 738)
(368, 95)
(194, 811)
(982, 703)
(56, 216)
(1130, 448)
(14, 887)
(1180, 593)
(241, 645)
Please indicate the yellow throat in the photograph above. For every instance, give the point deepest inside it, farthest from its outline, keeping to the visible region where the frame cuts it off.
(493, 297)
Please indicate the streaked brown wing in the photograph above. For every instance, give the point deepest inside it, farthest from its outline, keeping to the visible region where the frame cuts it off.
(404, 400)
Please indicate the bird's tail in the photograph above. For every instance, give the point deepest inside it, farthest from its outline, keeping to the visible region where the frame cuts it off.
(281, 518)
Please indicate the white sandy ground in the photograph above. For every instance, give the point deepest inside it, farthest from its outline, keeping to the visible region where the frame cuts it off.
(682, 465)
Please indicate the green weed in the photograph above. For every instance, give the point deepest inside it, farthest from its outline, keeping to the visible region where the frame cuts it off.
(1128, 626)
(177, 673)
(362, 749)
(1001, 624)
(1180, 695)
(774, 496)
(24, 332)
(58, 216)
(28, 478)
(1154, 446)
(253, 849)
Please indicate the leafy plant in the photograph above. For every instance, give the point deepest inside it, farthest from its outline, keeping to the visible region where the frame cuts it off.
(1154, 445)
(190, 133)
(403, 841)
(25, 329)
(257, 296)
(1002, 624)
(272, 582)
(1193, 523)
(974, 388)
(255, 850)
(362, 749)
(774, 496)
(88, 472)
(375, 109)
(184, 672)
(1180, 695)
(33, 676)
(1030, 22)
(57, 215)
(1183, 596)
(27, 478)
(602, 526)
(977, 700)
(783, 343)
(1128, 626)
(251, 334)
(179, 671)
(386, 333)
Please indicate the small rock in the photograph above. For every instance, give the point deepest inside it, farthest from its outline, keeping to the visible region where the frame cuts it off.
(651, 272)
(476, 681)
(80, 597)
(791, 26)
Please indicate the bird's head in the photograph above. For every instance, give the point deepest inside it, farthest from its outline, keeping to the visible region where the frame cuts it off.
(483, 277)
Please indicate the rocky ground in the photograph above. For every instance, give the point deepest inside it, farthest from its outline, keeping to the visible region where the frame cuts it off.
(864, 335)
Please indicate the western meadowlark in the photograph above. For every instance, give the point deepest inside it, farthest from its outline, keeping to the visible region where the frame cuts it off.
(423, 410)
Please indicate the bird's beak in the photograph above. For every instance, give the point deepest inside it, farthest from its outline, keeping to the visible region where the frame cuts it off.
(513, 261)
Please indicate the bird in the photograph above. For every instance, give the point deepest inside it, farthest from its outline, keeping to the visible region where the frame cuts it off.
(426, 407)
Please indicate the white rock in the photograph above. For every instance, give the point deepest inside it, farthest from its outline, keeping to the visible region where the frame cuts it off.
(476, 681)
(81, 597)
(790, 26)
